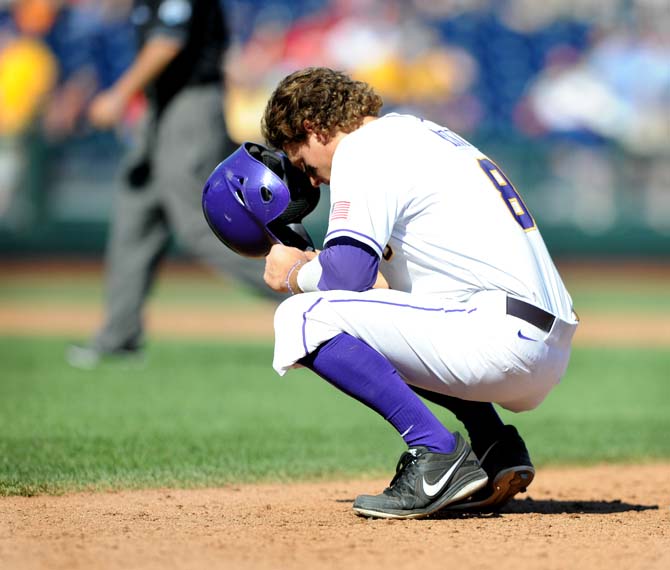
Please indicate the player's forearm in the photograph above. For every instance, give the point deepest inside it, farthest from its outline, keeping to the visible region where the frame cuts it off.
(343, 267)
(150, 62)
(310, 280)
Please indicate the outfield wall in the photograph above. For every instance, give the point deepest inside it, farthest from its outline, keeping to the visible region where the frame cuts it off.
(589, 199)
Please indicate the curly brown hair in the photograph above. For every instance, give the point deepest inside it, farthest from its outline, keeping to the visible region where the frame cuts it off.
(325, 99)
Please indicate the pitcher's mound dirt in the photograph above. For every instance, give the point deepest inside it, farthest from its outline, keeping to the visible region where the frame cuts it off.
(602, 517)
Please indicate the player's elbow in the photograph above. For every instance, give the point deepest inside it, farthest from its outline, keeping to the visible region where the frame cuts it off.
(347, 268)
(350, 282)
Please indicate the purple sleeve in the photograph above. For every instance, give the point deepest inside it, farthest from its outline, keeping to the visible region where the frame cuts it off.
(347, 267)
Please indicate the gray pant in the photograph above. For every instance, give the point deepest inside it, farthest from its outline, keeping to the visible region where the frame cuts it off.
(164, 199)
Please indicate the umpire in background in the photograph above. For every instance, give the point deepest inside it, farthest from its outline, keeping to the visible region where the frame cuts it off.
(183, 136)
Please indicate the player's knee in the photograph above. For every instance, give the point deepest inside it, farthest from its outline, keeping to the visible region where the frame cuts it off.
(291, 312)
(525, 404)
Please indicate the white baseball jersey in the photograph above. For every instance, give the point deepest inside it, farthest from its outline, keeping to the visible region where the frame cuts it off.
(455, 239)
(444, 217)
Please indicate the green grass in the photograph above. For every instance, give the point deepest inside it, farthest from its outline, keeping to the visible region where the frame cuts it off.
(627, 295)
(209, 414)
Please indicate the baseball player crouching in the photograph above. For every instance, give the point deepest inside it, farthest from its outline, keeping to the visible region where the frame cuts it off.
(469, 309)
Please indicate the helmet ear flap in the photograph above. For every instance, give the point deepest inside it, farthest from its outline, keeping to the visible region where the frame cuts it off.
(225, 210)
(304, 197)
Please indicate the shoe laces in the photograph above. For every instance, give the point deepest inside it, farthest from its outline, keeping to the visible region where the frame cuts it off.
(402, 478)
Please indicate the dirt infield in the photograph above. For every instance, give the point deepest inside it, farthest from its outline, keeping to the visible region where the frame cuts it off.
(256, 324)
(602, 517)
(254, 321)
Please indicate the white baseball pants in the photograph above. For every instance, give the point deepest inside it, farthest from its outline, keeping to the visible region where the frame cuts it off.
(472, 350)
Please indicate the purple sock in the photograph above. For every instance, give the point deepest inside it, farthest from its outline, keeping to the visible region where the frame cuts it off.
(361, 372)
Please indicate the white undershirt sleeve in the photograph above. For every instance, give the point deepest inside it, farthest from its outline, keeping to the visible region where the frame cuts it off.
(310, 275)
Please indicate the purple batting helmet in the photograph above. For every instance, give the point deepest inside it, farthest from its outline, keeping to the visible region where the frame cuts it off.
(256, 198)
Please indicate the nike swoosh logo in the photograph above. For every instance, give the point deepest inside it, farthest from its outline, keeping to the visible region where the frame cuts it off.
(483, 457)
(435, 488)
(524, 337)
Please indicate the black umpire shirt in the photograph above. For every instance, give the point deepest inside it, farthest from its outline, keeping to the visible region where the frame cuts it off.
(199, 25)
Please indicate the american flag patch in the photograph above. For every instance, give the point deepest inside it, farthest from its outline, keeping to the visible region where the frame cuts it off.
(340, 211)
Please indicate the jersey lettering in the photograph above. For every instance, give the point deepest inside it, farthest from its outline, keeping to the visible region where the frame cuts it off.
(445, 134)
(508, 193)
(451, 137)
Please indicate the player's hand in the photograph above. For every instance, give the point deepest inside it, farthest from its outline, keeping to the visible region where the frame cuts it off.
(279, 262)
(381, 282)
(106, 109)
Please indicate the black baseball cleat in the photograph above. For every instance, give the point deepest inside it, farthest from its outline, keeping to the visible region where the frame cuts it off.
(510, 471)
(425, 482)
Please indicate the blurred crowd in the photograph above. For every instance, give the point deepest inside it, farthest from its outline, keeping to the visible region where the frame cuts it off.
(586, 75)
(580, 68)
(54, 55)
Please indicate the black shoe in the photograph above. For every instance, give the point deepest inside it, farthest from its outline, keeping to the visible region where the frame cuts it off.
(425, 482)
(88, 357)
(509, 469)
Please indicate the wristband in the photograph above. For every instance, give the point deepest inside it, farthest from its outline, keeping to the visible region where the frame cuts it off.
(295, 267)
